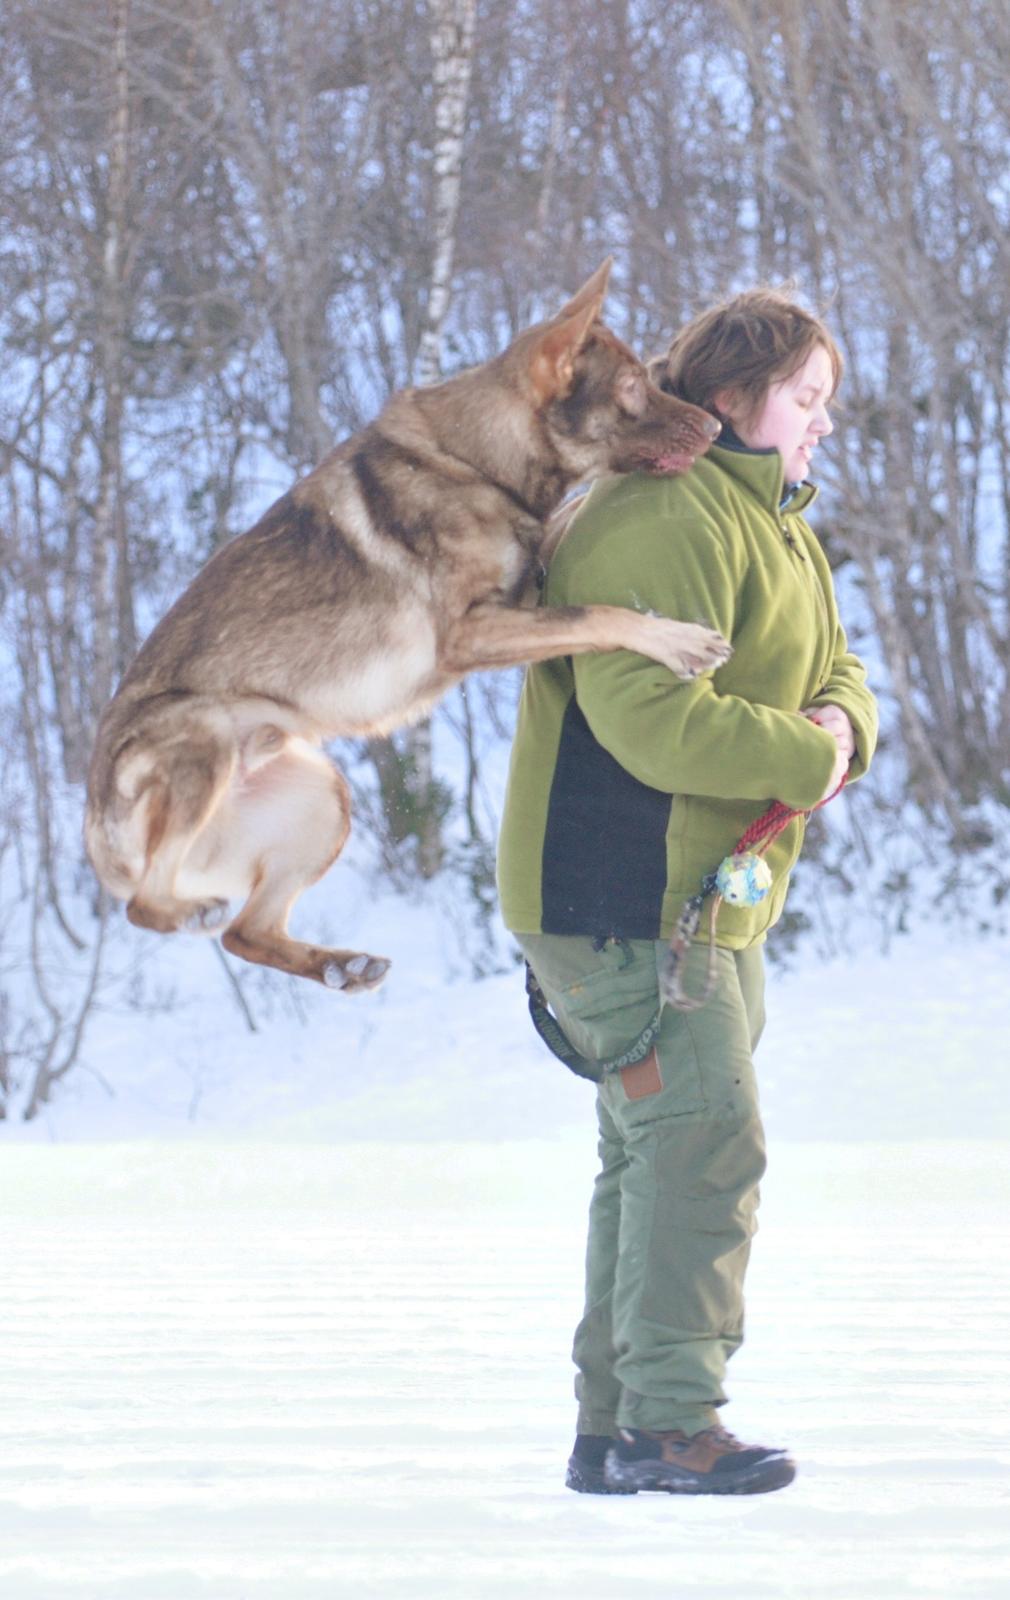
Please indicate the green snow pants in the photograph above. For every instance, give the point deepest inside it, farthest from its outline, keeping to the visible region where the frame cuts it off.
(682, 1152)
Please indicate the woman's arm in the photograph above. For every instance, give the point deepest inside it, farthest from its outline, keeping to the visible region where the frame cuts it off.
(846, 683)
(685, 738)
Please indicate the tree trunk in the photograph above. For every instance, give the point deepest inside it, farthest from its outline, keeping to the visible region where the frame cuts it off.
(115, 631)
(452, 29)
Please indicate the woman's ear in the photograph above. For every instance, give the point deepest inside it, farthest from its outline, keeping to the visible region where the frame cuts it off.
(724, 402)
(656, 368)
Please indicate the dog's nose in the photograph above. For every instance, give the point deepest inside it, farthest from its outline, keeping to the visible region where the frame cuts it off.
(712, 426)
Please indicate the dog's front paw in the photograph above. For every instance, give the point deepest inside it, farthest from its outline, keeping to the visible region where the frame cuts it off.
(703, 652)
(689, 649)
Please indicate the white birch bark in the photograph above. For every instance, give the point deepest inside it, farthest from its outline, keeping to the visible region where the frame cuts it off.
(452, 31)
(113, 615)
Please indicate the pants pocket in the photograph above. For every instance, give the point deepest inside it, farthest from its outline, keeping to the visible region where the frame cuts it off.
(605, 1011)
(603, 998)
(677, 1089)
(704, 1056)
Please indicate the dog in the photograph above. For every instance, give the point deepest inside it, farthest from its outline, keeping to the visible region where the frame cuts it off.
(406, 560)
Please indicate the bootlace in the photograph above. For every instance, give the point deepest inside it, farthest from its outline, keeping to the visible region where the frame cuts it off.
(722, 1435)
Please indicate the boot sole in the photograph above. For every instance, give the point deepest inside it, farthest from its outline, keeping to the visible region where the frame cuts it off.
(629, 1477)
(591, 1480)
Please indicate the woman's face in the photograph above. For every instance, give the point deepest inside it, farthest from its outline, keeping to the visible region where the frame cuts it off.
(794, 416)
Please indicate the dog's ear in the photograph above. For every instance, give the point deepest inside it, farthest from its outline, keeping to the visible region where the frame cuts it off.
(552, 359)
(593, 290)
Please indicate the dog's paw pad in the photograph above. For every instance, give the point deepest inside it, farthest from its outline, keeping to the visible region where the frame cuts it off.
(357, 972)
(370, 970)
(210, 917)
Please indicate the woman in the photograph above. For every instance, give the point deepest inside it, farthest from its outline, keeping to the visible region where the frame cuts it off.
(626, 788)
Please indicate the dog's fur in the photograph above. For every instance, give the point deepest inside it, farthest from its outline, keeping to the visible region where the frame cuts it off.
(403, 562)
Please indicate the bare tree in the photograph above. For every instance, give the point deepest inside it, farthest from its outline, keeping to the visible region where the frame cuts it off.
(230, 230)
(405, 766)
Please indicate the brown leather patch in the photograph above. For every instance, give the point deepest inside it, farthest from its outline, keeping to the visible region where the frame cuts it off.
(643, 1079)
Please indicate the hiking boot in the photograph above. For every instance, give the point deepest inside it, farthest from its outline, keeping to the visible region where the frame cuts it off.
(585, 1465)
(709, 1462)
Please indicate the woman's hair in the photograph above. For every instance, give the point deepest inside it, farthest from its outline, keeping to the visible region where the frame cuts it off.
(744, 345)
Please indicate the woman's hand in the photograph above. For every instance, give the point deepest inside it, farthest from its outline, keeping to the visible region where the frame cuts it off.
(838, 772)
(836, 722)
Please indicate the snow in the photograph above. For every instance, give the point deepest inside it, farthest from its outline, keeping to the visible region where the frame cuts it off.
(909, 1046)
(253, 1372)
(288, 1314)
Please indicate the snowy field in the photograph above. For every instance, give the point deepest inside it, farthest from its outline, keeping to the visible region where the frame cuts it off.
(244, 1372)
(288, 1313)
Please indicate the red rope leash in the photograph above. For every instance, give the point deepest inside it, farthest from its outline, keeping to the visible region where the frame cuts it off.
(772, 822)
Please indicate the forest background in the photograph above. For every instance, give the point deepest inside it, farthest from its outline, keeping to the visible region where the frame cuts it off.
(229, 228)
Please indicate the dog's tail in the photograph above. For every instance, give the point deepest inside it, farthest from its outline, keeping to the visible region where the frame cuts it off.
(152, 784)
(121, 817)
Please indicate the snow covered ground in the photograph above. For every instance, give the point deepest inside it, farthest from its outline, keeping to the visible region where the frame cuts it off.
(287, 1313)
(245, 1372)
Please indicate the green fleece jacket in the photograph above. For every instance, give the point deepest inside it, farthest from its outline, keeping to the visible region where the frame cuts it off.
(626, 785)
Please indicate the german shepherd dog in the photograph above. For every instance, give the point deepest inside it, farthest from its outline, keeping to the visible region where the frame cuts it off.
(407, 559)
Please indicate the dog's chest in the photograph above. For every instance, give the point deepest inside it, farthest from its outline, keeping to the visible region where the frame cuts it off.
(491, 564)
(512, 562)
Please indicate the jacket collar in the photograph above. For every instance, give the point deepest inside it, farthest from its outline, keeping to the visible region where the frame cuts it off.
(761, 473)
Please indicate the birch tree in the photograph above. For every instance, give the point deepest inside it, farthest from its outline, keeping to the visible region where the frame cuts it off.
(231, 229)
(416, 802)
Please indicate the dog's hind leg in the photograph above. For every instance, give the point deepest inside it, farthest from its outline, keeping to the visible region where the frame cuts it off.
(290, 819)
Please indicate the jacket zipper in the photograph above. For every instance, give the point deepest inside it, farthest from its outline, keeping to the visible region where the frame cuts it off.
(784, 529)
